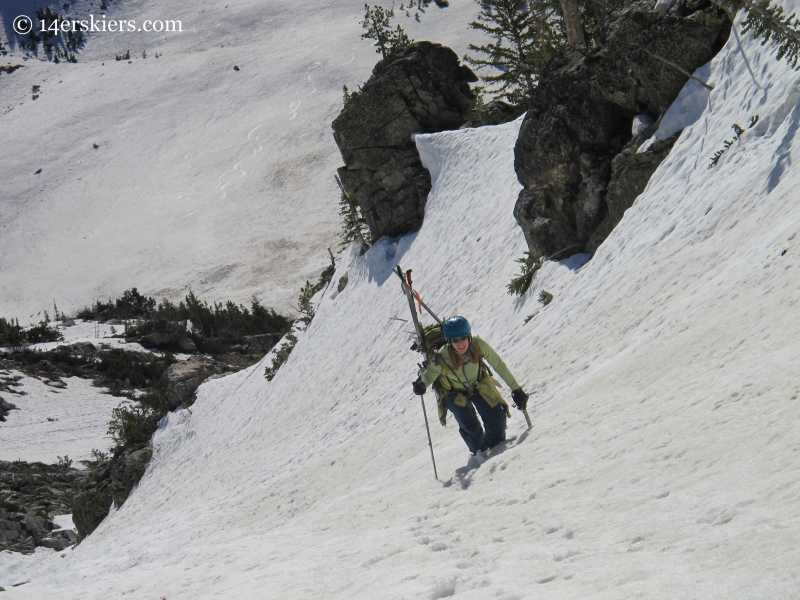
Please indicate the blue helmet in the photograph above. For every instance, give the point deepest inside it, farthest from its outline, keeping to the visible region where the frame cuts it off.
(456, 327)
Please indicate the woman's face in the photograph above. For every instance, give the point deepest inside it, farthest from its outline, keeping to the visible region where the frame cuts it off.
(460, 345)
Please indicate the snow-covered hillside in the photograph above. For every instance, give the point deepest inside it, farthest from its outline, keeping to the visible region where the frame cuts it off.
(663, 460)
(61, 417)
(203, 177)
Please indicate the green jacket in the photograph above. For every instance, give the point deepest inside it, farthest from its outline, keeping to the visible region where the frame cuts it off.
(468, 377)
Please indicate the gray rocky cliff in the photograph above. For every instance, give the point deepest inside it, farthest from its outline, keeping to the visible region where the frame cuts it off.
(575, 155)
(424, 90)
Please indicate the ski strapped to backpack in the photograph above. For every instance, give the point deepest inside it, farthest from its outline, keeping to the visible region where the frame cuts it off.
(429, 339)
(409, 292)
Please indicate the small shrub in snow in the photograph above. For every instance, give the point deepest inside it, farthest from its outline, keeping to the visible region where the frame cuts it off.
(545, 297)
(281, 356)
(529, 264)
(132, 424)
(738, 131)
(43, 332)
(64, 461)
(306, 310)
(353, 226)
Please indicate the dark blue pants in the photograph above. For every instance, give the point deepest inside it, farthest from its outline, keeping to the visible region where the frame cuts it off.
(494, 420)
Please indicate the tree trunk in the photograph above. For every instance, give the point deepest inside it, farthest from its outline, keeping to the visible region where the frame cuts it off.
(572, 23)
(523, 63)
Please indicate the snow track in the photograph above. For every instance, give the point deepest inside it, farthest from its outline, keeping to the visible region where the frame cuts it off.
(663, 461)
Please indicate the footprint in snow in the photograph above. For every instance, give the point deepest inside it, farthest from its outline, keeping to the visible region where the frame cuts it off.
(293, 108)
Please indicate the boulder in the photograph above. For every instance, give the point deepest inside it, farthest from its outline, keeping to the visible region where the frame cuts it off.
(56, 542)
(424, 89)
(127, 469)
(168, 341)
(78, 349)
(5, 408)
(182, 379)
(161, 335)
(109, 481)
(263, 342)
(92, 504)
(582, 115)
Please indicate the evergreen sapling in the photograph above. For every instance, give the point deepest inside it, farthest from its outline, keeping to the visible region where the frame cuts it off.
(388, 41)
(525, 34)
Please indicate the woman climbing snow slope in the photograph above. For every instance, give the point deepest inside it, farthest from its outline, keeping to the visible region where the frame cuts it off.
(466, 386)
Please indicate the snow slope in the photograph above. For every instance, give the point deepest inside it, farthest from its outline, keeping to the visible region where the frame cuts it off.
(203, 177)
(52, 422)
(663, 460)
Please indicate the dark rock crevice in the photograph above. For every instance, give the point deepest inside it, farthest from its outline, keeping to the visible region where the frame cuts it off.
(576, 154)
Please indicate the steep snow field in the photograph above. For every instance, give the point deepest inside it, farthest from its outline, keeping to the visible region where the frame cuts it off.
(663, 459)
(203, 177)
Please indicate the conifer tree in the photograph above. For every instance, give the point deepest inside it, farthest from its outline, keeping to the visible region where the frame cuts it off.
(526, 34)
(354, 227)
(770, 23)
(388, 41)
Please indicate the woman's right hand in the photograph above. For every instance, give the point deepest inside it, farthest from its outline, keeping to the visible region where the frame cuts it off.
(419, 387)
(520, 398)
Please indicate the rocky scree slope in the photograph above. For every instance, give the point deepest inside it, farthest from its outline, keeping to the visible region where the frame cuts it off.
(31, 494)
(575, 155)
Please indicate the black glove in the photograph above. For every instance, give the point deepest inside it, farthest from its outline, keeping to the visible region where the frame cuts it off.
(520, 398)
(419, 387)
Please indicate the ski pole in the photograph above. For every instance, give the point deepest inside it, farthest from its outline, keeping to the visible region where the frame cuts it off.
(430, 444)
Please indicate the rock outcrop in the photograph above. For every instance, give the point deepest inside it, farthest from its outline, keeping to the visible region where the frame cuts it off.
(263, 342)
(92, 504)
(162, 335)
(182, 379)
(30, 495)
(109, 481)
(5, 408)
(423, 90)
(630, 172)
(576, 187)
(127, 469)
